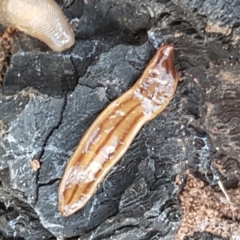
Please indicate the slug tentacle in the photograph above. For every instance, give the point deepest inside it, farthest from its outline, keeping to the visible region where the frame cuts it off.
(110, 135)
(42, 19)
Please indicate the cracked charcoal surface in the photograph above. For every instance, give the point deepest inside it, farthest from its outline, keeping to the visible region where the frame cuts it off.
(54, 75)
(48, 100)
(213, 17)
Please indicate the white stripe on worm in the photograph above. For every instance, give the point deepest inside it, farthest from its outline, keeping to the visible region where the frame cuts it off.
(110, 135)
(42, 19)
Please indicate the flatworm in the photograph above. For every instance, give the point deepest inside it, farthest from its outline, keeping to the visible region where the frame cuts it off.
(110, 135)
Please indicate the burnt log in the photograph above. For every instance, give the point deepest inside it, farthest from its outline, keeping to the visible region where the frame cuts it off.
(181, 165)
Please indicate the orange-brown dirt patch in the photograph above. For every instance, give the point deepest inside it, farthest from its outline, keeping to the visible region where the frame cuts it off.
(206, 209)
(6, 39)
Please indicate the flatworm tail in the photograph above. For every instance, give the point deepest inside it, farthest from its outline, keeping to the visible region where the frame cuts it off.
(110, 135)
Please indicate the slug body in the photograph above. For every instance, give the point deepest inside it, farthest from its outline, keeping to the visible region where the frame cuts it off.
(110, 135)
(42, 19)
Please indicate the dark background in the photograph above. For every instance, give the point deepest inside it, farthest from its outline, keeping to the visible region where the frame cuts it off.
(48, 100)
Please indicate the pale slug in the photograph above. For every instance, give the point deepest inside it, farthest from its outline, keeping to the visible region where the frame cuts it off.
(110, 135)
(42, 19)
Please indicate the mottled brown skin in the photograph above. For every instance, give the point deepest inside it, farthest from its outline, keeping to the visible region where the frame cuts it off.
(110, 135)
(42, 19)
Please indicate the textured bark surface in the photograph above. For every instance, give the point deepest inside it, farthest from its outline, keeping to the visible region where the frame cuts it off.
(48, 100)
